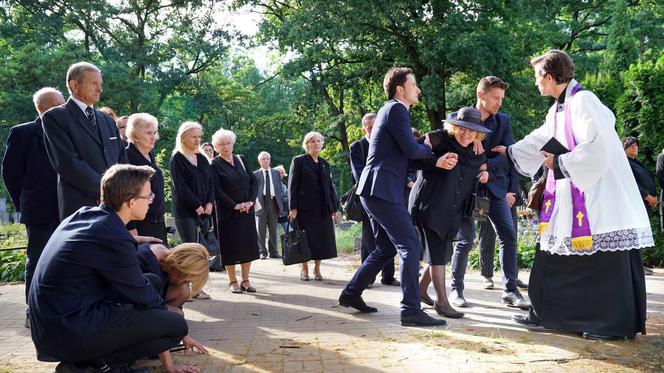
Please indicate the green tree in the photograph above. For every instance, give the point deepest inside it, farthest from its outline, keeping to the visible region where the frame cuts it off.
(622, 49)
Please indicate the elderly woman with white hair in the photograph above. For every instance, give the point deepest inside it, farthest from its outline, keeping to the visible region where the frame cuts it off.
(192, 185)
(313, 202)
(236, 189)
(142, 136)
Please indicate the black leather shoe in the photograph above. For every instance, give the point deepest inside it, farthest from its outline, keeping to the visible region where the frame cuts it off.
(275, 256)
(515, 299)
(263, 256)
(355, 302)
(602, 337)
(525, 320)
(421, 319)
(393, 282)
(521, 285)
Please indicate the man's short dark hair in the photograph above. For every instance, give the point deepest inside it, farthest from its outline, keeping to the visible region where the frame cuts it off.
(489, 82)
(395, 76)
(123, 182)
(556, 63)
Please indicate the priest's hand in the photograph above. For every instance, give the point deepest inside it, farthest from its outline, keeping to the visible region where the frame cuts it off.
(548, 161)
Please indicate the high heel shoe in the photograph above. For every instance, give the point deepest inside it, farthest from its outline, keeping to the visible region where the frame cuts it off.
(304, 276)
(318, 276)
(452, 315)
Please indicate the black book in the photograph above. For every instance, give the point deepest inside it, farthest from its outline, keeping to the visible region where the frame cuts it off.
(554, 146)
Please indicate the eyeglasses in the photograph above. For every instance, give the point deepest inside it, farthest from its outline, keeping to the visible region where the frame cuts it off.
(149, 197)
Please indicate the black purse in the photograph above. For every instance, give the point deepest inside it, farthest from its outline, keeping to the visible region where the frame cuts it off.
(294, 245)
(353, 209)
(208, 238)
(478, 205)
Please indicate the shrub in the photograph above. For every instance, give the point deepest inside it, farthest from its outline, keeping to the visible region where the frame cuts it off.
(525, 253)
(12, 266)
(346, 238)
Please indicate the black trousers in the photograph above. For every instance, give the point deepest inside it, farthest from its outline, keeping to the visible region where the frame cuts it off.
(187, 229)
(130, 334)
(368, 244)
(38, 235)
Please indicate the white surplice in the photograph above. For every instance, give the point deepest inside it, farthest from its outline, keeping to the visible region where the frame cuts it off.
(599, 168)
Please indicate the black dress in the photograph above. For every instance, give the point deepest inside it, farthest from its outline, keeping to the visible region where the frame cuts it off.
(153, 225)
(238, 239)
(310, 191)
(439, 197)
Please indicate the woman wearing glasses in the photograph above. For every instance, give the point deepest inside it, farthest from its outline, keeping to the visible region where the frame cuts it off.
(142, 135)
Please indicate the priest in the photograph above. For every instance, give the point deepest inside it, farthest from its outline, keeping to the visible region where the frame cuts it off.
(587, 276)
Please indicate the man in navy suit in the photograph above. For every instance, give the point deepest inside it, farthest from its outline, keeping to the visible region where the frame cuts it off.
(82, 142)
(501, 192)
(31, 181)
(381, 190)
(359, 151)
(90, 306)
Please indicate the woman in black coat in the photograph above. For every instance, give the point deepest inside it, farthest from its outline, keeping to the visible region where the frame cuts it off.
(313, 202)
(192, 185)
(236, 190)
(439, 197)
(142, 136)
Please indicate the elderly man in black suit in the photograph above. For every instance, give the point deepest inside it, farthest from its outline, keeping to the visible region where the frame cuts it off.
(31, 181)
(90, 306)
(269, 198)
(81, 141)
(358, 159)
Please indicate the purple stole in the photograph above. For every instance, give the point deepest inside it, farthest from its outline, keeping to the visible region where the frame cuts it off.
(582, 239)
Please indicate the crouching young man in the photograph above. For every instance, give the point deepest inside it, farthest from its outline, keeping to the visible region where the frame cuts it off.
(90, 306)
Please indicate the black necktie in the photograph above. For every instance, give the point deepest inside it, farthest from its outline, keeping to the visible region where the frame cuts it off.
(267, 180)
(91, 116)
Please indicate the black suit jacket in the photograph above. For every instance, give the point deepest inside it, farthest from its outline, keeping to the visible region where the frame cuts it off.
(359, 150)
(28, 175)
(80, 154)
(303, 194)
(276, 184)
(88, 266)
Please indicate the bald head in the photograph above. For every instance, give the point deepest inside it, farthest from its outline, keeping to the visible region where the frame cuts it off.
(47, 98)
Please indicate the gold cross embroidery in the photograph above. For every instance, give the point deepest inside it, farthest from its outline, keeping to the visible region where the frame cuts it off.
(547, 204)
(580, 217)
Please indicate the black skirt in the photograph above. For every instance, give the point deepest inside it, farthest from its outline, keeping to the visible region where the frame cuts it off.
(603, 293)
(320, 233)
(238, 239)
(435, 250)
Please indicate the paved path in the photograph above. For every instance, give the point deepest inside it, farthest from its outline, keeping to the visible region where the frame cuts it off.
(296, 326)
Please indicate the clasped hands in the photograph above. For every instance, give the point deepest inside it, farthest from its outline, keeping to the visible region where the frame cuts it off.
(244, 206)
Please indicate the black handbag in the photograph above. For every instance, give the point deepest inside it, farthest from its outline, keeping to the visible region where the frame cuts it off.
(478, 205)
(353, 209)
(294, 245)
(208, 238)
(536, 193)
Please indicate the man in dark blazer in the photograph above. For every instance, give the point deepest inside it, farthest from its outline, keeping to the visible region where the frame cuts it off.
(31, 181)
(502, 195)
(359, 150)
(269, 197)
(381, 190)
(81, 141)
(90, 306)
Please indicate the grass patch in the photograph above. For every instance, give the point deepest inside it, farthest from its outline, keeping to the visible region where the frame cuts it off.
(346, 238)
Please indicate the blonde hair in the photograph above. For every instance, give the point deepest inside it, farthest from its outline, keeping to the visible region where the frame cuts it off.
(139, 122)
(184, 127)
(281, 170)
(450, 128)
(191, 260)
(310, 136)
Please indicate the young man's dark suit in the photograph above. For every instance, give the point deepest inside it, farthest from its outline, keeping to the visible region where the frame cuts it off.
(268, 216)
(359, 151)
(502, 180)
(381, 190)
(89, 299)
(32, 185)
(80, 153)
